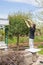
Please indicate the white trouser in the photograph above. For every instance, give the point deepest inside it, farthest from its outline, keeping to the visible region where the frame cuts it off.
(31, 43)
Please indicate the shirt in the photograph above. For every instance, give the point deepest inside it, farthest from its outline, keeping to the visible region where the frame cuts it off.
(32, 31)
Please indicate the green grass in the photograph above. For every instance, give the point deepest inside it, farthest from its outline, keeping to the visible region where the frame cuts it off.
(12, 41)
(38, 39)
(25, 39)
(41, 52)
(40, 46)
(21, 40)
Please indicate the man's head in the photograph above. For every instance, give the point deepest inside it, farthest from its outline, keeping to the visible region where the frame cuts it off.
(33, 25)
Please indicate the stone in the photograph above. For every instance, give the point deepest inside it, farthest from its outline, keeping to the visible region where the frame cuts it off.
(34, 57)
(40, 58)
(28, 58)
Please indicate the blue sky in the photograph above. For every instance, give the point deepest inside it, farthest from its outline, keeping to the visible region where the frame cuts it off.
(12, 6)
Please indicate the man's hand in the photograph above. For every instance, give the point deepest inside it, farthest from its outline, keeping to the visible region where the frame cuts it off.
(27, 24)
(30, 22)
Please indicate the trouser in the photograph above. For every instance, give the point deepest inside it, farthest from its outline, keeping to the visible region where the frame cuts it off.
(31, 43)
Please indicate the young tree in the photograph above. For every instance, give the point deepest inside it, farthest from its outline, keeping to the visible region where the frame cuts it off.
(17, 25)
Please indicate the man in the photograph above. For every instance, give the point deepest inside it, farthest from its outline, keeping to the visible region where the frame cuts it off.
(32, 32)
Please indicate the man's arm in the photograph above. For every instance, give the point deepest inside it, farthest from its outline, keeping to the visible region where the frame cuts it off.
(27, 24)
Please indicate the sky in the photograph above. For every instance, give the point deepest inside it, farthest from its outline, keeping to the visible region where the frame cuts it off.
(11, 6)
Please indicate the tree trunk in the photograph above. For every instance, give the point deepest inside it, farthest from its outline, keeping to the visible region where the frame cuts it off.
(17, 42)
